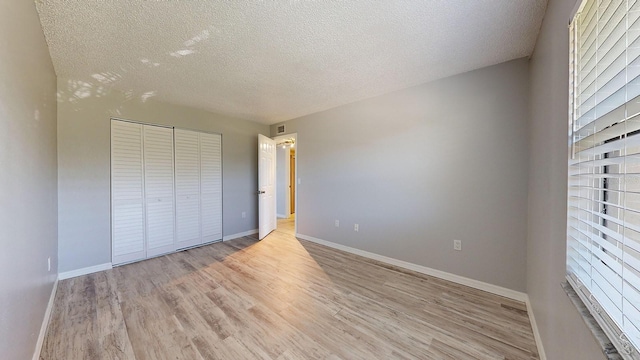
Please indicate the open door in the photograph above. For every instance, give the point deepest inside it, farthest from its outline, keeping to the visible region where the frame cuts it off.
(266, 186)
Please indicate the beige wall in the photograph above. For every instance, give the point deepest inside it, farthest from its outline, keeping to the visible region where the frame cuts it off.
(28, 185)
(563, 332)
(84, 112)
(421, 167)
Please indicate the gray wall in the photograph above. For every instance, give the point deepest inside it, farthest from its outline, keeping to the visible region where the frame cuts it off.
(28, 184)
(84, 110)
(563, 331)
(420, 167)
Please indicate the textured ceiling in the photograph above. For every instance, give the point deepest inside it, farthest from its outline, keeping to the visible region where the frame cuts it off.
(270, 61)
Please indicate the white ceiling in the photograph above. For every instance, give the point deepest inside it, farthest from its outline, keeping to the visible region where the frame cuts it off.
(270, 61)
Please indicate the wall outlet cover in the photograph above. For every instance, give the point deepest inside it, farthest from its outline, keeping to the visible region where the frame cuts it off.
(457, 245)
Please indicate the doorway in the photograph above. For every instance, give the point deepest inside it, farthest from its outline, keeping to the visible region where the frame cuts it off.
(286, 175)
(292, 181)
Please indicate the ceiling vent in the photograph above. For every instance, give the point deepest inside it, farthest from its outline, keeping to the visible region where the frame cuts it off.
(280, 129)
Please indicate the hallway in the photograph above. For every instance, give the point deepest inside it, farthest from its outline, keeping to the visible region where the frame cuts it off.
(287, 226)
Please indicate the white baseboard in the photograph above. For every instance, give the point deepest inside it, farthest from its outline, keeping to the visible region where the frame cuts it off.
(536, 331)
(494, 289)
(45, 321)
(239, 235)
(84, 271)
(282, 216)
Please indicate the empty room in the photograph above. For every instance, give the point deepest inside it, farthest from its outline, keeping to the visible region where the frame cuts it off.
(298, 179)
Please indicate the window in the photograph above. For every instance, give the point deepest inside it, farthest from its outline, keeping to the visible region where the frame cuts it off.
(603, 222)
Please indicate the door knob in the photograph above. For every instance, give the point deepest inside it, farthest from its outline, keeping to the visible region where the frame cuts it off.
(261, 192)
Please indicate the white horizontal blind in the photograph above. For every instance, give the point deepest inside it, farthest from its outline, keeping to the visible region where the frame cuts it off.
(127, 192)
(603, 230)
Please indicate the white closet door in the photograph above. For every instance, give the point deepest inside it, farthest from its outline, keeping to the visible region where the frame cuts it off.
(187, 189)
(159, 190)
(211, 186)
(127, 192)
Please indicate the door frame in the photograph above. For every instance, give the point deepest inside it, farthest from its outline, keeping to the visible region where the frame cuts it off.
(297, 176)
(292, 181)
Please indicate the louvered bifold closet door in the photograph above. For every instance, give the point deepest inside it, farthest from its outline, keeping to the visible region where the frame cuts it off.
(127, 192)
(159, 190)
(187, 188)
(211, 186)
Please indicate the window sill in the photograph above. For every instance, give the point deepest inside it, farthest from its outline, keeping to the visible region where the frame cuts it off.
(606, 345)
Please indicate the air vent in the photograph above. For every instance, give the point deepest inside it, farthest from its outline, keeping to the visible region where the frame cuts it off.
(281, 129)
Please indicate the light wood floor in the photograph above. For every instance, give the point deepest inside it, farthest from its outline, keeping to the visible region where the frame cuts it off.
(280, 298)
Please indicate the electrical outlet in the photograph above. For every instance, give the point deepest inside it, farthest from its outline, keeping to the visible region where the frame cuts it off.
(355, 227)
(244, 214)
(457, 245)
(337, 223)
(299, 181)
(49, 263)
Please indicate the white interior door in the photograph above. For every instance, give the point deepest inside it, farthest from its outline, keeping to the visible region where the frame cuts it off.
(266, 186)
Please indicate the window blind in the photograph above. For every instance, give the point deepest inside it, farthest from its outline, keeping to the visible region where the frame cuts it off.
(603, 222)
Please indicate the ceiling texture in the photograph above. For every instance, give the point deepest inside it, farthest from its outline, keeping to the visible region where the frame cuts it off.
(270, 61)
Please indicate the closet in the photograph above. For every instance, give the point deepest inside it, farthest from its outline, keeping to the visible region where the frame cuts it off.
(166, 190)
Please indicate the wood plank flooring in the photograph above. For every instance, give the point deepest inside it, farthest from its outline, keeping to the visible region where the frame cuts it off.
(280, 298)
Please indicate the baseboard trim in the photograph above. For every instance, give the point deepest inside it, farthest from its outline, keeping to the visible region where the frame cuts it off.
(535, 330)
(476, 284)
(84, 271)
(239, 235)
(282, 216)
(45, 321)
